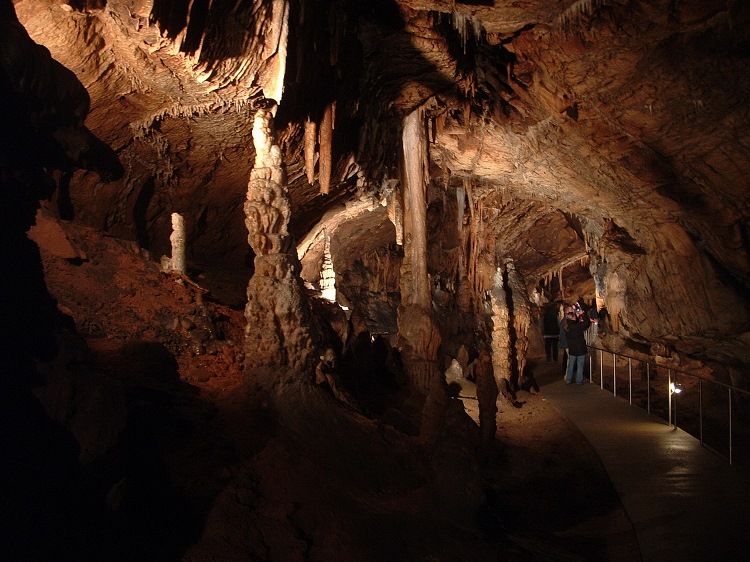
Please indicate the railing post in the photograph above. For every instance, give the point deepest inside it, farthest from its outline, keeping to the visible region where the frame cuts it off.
(601, 369)
(730, 425)
(591, 367)
(648, 387)
(700, 408)
(669, 394)
(630, 380)
(614, 374)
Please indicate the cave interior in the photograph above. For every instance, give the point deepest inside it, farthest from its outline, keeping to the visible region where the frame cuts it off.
(247, 244)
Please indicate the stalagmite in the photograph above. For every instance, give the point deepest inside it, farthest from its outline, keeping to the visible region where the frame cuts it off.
(487, 392)
(327, 274)
(326, 148)
(279, 329)
(501, 350)
(310, 136)
(521, 314)
(177, 238)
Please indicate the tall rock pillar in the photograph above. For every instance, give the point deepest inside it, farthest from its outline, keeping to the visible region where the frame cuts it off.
(419, 335)
(521, 315)
(278, 331)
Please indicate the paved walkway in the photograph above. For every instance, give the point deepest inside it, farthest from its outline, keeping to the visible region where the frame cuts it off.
(685, 502)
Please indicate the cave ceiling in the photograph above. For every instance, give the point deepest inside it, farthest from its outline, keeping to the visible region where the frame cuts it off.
(615, 131)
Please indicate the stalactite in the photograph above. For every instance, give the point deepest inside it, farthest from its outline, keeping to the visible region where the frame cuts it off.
(464, 24)
(560, 281)
(460, 202)
(274, 87)
(473, 237)
(311, 134)
(396, 214)
(326, 148)
(577, 10)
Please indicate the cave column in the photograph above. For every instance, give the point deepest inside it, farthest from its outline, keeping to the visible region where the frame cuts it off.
(279, 324)
(521, 315)
(416, 291)
(501, 349)
(177, 238)
(419, 334)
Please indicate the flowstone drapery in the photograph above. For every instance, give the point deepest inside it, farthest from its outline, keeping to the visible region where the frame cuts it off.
(278, 331)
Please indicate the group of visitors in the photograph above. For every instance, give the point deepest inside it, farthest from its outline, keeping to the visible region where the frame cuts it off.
(569, 335)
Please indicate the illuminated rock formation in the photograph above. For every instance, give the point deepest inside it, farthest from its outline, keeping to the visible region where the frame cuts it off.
(521, 318)
(176, 263)
(278, 316)
(501, 345)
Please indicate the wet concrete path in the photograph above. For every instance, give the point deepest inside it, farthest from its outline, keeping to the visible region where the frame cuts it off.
(685, 502)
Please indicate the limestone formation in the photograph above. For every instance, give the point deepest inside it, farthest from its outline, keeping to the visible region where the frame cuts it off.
(521, 317)
(327, 274)
(501, 346)
(177, 262)
(278, 318)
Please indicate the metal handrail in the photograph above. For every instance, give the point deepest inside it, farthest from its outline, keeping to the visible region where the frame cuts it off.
(670, 380)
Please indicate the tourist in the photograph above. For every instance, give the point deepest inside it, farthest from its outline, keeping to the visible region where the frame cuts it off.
(551, 331)
(575, 325)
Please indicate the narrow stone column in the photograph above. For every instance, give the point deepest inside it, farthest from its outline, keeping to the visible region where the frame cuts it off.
(327, 274)
(417, 288)
(487, 393)
(311, 133)
(177, 238)
(521, 314)
(278, 331)
(500, 332)
(419, 333)
(325, 162)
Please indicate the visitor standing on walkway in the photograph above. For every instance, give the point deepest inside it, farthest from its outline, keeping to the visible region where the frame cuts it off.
(563, 338)
(551, 331)
(575, 325)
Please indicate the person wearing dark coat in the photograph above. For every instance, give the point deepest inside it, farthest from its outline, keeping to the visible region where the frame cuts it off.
(575, 325)
(551, 329)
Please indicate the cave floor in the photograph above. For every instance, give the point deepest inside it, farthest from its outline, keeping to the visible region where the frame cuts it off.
(682, 501)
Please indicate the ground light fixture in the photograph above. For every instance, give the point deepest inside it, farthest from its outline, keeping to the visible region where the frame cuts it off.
(674, 388)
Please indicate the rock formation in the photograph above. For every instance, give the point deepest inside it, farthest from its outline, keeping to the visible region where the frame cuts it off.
(278, 316)
(461, 164)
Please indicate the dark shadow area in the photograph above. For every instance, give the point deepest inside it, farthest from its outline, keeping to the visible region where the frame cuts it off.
(140, 212)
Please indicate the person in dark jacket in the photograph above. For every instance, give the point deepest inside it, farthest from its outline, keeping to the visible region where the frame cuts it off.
(551, 330)
(575, 325)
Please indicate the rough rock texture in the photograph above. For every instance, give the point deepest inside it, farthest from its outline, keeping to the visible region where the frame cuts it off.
(622, 121)
(600, 146)
(278, 315)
